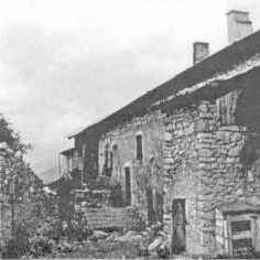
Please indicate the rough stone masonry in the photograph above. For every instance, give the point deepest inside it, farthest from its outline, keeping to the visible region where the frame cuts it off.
(190, 149)
(199, 148)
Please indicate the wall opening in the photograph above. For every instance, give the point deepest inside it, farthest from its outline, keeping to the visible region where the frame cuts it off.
(108, 162)
(139, 148)
(127, 186)
(237, 231)
(150, 208)
(178, 226)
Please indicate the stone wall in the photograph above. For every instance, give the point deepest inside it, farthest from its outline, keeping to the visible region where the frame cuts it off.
(223, 178)
(199, 150)
(108, 218)
(151, 127)
(172, 141)
(180, 163)
(202, 165)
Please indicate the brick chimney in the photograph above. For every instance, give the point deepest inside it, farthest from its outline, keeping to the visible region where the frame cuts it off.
(200, 51)
(239, 25)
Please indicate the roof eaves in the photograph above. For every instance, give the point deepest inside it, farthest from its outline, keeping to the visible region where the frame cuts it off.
(67, 151)
(219, 62)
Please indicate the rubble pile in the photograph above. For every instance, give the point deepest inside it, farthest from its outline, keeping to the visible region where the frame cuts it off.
(45, 232)
(49, 241)
(152, 242)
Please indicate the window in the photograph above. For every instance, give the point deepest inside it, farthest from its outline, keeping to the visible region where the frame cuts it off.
(178, 225)
(106, 156)
(240, 226)
(108, 162)
(242, 242)
(110, 166)
(115, 148)
(139, 148)
(127, 186)
(226, 107)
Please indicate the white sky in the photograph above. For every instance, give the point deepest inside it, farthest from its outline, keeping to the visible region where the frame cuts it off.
(65, 63)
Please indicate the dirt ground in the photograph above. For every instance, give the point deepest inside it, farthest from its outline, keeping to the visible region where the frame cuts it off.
(102, 249)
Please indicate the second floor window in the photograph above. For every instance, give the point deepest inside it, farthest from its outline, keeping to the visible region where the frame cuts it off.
(139, 148)
(108, 162)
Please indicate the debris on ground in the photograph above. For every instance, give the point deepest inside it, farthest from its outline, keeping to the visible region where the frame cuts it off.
(155, 244)
(151, 241)
(130, 236)
(99, 234)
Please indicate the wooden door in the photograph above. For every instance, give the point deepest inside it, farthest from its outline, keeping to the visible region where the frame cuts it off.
(159, 207)
(150, 209)
(127, 186)
(178, 226)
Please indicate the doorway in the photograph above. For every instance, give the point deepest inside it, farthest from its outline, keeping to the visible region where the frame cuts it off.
(178, 226)
(150, 209)
(127, 186)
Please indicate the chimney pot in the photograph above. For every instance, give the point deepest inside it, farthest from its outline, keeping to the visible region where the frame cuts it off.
(200, 51)
(239, 25)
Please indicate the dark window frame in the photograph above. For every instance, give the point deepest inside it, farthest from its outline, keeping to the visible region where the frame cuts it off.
(128, 195)
(108, 162)
(139, 147)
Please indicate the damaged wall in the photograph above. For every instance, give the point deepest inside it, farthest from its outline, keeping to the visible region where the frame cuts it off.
(122, 143)
(199, 150)
(223, 178)
(212, 158)
(197, 147)
(210, 174)
(180, 162)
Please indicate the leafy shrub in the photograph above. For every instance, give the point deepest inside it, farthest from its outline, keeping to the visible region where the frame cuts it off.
(80, 228)
(19, 244)
(116, 196)
(41, 246)
(163, 252)
(138, 223)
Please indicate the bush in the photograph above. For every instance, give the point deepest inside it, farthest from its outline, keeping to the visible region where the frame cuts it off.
(116, 196)
(80, 227)
(41, 246)
(19, 244)
(163, 252)
(138, 223)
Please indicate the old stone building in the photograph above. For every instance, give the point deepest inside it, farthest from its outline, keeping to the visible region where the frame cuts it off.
(187, 152)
